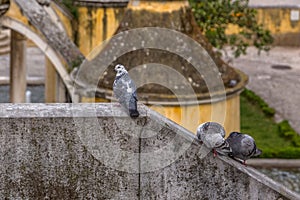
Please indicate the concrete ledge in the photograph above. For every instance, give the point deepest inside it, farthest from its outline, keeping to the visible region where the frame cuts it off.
(274, 4)
(4, 80)
(102, 3)
(277, 163)
(76, 151)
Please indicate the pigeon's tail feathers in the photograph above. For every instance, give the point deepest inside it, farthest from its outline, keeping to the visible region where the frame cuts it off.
(224, 149)
(199, 132)
(133, 111)
(257, 152)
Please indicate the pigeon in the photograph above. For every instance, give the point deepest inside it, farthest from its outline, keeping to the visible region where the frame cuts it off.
(44, 2)
(212, 134)
(243, 146)
(125, 91)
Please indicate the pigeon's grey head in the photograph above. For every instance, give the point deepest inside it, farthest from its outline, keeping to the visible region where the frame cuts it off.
(210, 128)
(243, 146)
(120, 69)
(234, 134)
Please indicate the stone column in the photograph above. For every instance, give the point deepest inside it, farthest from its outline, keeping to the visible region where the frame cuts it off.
(50, 82)
(18, 70)
(55, 90)
(60, 90)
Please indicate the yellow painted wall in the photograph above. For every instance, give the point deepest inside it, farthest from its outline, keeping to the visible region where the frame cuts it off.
(15, 13)
(225, 112)
(66, 21)
(96, 25)
(157, 6)
(278, 21)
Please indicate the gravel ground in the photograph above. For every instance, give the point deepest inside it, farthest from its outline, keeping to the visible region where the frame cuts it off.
(275, 76)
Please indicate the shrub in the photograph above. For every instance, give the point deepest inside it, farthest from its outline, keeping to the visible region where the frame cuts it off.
(283, 152)
(270, 112)
(287, 132)
(214, 16)
(255, 99)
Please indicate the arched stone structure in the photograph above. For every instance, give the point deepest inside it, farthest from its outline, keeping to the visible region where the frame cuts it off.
(31, 20)
(49, 52)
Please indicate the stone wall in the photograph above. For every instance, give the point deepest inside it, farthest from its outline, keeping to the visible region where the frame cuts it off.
(282, 18)
(76, 151)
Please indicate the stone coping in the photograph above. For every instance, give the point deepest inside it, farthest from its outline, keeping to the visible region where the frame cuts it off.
(258, 184)
(274, 4)
(274, 162)
(102, 3)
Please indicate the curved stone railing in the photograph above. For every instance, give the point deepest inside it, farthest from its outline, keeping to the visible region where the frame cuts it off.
(70, 151)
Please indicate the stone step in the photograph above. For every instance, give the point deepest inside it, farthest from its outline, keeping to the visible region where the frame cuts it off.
(4, 50)
(4, 43)
(4, 36)
(31, 80)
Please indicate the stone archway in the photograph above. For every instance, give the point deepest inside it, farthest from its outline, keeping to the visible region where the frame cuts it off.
(45, 48)
(31, 19)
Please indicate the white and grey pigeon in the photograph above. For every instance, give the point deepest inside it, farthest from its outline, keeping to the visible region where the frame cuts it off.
(212, 134)
(125, 91)
(243, 146)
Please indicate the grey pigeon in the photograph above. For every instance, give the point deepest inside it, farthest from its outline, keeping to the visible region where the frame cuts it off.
(212, 135)
(125, 91)
(44, 2)
(243, 146)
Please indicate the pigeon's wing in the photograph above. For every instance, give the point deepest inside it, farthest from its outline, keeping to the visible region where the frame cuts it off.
(222, 132)
(118, 88)
(130, 96)
(125, 91)
(249, 146)
(218, 128)
(223, 147)
(211, 134)
(234, 141)
(200, 132)
(131, 87)
(214, 127)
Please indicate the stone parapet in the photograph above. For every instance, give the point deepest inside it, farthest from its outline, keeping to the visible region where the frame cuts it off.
(76, 151)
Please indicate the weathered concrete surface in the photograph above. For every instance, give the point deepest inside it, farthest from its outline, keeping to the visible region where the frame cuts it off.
(76, 151)
(42, 156)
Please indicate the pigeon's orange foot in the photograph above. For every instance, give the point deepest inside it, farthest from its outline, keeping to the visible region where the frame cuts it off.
(215, 152)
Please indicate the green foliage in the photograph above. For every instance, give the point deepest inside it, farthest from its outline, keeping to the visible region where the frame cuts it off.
(270, 112)
(72, 8)
(283, 152)
(287, 132)
(255, 99)
(275, 140)
(76, 62)
(214, 16)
